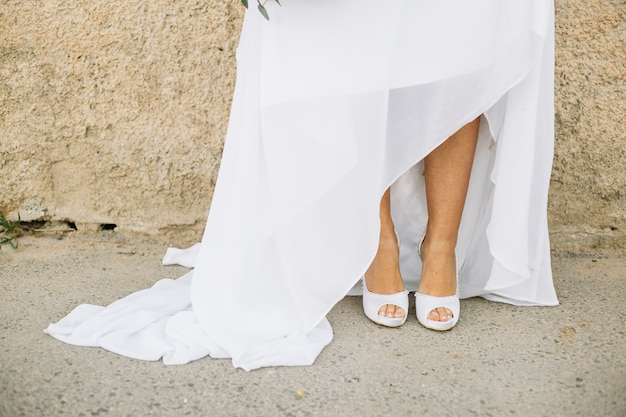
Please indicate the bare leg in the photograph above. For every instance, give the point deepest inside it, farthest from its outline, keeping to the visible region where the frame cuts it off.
(447, 171)
(383, 275)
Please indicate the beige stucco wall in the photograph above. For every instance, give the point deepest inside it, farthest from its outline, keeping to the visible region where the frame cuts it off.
(588, 189)
(115, 112)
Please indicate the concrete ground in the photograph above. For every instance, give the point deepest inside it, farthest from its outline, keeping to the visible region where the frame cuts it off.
(500, 360)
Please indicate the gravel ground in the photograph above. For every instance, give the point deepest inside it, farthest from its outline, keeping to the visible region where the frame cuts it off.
(500, 360)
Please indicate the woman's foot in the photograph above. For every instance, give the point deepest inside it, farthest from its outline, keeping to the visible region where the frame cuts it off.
(447, 172)
(438, 285)
(383, 276)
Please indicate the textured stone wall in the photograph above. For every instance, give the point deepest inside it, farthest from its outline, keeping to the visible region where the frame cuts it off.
(588, 190)
(114, 112)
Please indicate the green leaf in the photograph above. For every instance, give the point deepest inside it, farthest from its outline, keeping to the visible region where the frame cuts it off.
(277, 1)
(10, 241)
(245, 3)
(264, 12)
(9, 231)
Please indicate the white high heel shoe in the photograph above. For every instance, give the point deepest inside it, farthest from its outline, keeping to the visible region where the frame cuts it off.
(372, 303)
(425, 303)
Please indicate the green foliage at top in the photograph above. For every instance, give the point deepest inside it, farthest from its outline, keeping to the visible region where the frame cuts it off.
(261, 6)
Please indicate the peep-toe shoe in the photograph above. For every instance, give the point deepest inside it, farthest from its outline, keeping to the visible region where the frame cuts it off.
(425, 303)
(372, 302)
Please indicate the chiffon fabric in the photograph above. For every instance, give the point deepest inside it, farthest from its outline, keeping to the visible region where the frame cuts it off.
(335, 101)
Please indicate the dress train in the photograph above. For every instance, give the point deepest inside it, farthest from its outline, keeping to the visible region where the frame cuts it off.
(334, 103)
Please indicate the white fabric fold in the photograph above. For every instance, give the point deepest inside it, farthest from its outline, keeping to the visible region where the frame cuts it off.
(335, 102)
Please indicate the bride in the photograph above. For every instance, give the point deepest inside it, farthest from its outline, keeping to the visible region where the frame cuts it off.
(405, 142)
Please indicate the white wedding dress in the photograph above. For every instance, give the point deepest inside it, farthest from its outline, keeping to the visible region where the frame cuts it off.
(335, 101)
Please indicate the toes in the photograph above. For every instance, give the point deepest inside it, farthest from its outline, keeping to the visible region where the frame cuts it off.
(440, 314)
(399, 312)
(383, 310)
(391, 311)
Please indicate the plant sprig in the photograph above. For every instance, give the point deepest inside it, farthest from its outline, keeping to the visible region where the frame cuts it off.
(261, 6)
(9, 231)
